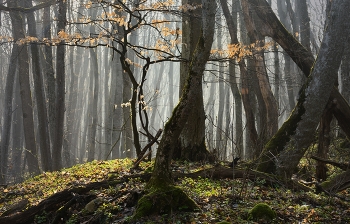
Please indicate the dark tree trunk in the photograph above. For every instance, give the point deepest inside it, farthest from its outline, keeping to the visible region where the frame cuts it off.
(324, 141)
(7, 114)
(161, 180)
(191, 142)
(43, 131)
(60, 96)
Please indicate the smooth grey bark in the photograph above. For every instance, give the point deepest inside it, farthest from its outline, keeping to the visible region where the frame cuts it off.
(116, 94)
(282, 11)
(7, 111)
(209, 108)
(245, 90)
(304, 22)
(17, 135)
(319, 86)
(26, 97)
(49, 74)
(60, 91)
(105, 71)
(80, 67)
(69, 151)
(277, 74)
(221, 96)
(116, 112)
(234, 85)
(94, 88)
(43, 130)
(85, 127)
(171, 86)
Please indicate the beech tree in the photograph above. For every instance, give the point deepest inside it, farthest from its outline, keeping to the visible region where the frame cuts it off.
(191, 142)
(290, 131)
(161, 182)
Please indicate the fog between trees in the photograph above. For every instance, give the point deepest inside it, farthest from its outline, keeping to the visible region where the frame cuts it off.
(85, 80)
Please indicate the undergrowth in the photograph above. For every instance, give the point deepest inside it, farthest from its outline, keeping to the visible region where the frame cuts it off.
(222, 200)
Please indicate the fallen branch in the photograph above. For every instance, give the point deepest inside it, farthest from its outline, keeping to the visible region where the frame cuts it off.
(53, 202)
(61, 201)
(141, 157)
(343, 166)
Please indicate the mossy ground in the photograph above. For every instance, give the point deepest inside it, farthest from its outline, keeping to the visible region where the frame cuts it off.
(165, 200)
(219, 200)
(262, 212)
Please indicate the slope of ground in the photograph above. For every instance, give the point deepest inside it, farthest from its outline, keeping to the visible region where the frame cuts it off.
(107, 192)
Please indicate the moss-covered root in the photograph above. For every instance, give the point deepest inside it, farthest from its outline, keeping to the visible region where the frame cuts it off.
(261, 212)
(164, 200)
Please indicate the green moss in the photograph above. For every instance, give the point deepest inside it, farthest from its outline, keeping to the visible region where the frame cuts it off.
(278, 142)
(164, 200)
(261, 211)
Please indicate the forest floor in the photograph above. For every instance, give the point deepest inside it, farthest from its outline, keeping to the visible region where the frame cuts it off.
(114, 200)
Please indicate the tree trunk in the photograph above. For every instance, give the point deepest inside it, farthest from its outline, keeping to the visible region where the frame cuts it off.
(127, 130)
(191, 142)
(236, 94)
(60, 96)
(288, 77)
(261, 73)
(26, 97)
(304, 59)
(315, 94)
(324, 141)
(345, 73)
(7, 114)
(49, 75)
(302, 9)
(17, 135)
(116, 111)
(94, 88)
(219, 138)
(161, 180)
(43, 131)
(253, 135)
